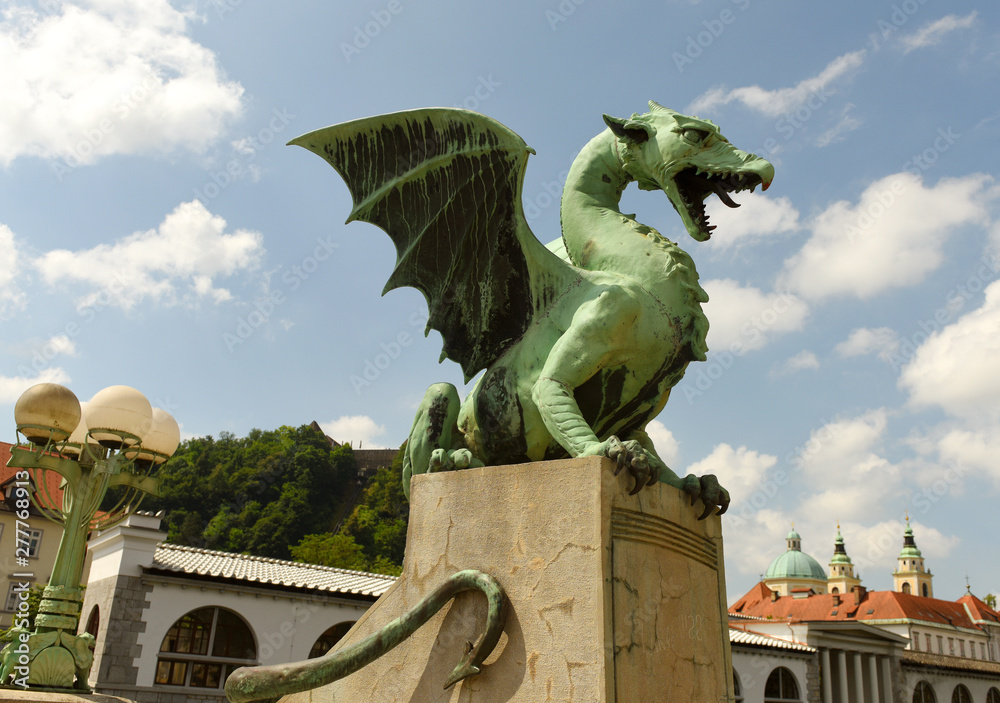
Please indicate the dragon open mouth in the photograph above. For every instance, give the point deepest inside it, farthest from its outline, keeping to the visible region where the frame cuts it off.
(694, 187)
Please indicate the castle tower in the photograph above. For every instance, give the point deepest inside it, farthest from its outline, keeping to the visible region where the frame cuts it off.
(842, 578)
(910, 575)
(795, 570)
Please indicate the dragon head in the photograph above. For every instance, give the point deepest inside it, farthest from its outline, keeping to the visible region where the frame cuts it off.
(688, 159)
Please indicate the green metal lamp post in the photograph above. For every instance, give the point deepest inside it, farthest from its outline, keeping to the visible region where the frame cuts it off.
(116, 440)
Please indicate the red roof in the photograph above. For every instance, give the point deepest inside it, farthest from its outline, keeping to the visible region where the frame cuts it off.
(874, 605)
(51, 478)
(979, 610)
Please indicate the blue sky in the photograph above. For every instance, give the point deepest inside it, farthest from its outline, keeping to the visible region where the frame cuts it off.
(157, 232)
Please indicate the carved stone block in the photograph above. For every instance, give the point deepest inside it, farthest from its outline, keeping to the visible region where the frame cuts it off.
(614, 598)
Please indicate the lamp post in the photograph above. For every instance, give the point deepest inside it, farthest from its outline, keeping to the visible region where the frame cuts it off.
(117, 440)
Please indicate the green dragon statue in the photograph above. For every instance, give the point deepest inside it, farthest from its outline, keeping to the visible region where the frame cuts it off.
(580, 341)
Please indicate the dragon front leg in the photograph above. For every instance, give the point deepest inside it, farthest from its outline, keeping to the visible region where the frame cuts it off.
(591, 343)
(562, 417)
(435, 443)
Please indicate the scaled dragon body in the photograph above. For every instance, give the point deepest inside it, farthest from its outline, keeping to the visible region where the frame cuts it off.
(580, 342)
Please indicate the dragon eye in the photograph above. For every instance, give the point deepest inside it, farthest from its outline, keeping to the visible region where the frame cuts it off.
(695, 136)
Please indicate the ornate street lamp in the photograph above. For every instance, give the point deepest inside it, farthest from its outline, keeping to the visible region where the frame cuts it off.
(116, 440)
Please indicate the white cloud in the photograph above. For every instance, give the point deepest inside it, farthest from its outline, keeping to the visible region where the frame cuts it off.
(882, 341)
(12, 298)
(98, 77)
(176, 263)
(846, 475)
(843, 448)
(845, 125)
(967, 450)
(892, 237)
(933, 33)
(757, 218)
(359, 431)
(740, 470)
(958, 368)
(745, 318)
(664, 441)
(782, 100)
(752, 543)
(802, 361)
(839, 476)
(875, 549)
(11, 387)
(61, 344)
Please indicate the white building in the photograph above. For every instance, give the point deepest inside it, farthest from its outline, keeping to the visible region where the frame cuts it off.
(171, 622)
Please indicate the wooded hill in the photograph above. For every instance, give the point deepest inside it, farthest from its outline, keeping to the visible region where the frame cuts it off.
(282, 494)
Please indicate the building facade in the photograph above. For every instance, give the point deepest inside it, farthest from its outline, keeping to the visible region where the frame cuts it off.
(172, 622)
(874, 646)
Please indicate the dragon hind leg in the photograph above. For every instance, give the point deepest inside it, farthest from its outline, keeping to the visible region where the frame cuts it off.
(435, 442)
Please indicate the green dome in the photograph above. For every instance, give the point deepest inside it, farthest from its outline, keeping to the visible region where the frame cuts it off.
(795, 564)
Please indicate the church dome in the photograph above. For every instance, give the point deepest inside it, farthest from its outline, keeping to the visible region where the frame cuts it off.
(795, 563)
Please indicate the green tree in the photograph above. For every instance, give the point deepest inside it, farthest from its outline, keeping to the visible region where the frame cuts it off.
(991, 600)
(331, 550)
(259, 494)
(373, 538)
(379, 522)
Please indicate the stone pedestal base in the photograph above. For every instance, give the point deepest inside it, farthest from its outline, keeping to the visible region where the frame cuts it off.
(614, 598)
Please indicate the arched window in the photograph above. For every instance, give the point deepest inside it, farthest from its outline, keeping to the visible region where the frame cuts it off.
(203, 648)
(993, 695)
(329, 638)
(94, 621)
(737, 689)
(925, 590)
(834, 590)
(961, 695)
(923, 693)
(906, 588)
(781, 686)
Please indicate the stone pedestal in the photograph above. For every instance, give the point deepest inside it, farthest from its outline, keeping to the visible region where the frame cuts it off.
(614, 598)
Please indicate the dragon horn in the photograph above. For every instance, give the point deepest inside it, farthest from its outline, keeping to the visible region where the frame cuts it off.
(657, 107)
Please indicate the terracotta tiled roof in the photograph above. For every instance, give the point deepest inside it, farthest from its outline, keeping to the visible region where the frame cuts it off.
(941, 661)
(874, 605)
(756, 639)
(979, 610)
(276, 572)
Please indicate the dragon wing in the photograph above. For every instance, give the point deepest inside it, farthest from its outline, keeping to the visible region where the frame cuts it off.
(445, 185)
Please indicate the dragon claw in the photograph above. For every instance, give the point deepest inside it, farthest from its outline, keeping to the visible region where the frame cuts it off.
(630, 455)
(445, 460)
(707, 489)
